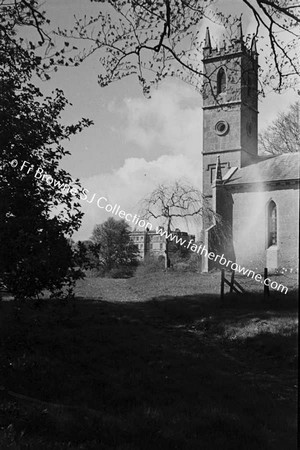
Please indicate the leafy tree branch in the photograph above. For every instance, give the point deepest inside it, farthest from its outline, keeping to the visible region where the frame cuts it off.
(156, 39)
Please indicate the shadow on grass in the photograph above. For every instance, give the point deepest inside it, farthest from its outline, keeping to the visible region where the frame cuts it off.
(170, 373)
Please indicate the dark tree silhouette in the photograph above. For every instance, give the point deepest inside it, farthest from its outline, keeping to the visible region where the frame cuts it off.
(39, 207)
(116, 250)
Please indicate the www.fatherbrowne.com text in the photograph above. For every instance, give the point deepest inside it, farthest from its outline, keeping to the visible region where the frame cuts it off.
(102, 203)
(200, 249)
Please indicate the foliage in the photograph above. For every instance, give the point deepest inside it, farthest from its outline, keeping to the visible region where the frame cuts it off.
(155, 39)
(180, 251)
(122, 271)
(283, 135)
(116, 250)
(149, 265)
(89, 254)
(39, 201)
(183, 258)
(188, 260)
(18, 54)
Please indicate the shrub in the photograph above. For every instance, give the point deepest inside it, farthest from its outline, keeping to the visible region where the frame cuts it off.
(150, 265)
(121, 272)
(192, 264)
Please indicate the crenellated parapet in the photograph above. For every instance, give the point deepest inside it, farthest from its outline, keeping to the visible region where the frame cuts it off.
(230, 47)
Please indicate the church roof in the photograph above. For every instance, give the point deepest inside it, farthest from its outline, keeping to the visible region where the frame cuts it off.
(277, 168)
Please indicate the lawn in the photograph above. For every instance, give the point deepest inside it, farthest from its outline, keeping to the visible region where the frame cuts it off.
(154, 362)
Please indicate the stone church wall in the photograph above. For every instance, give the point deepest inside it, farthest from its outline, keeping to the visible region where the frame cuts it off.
(250, 227)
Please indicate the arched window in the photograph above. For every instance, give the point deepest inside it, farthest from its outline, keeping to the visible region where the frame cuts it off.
(272, 224)
(221, 81)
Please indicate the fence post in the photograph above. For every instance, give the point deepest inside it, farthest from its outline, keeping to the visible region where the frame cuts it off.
(266, 287)
(232, 281)
(222, 283)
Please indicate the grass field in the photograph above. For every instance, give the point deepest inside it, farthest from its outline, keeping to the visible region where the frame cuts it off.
(155, 362)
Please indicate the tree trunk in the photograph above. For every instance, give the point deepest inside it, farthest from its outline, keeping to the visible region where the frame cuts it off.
(167, 259)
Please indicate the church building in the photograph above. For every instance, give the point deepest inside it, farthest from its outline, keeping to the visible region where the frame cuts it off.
(257, 197)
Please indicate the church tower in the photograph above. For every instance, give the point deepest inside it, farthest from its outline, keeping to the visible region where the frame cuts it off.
(229, 106)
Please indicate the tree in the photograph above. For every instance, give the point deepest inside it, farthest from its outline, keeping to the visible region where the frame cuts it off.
(116, 250)
(39, 209)
(174, 203)
(153, 39)
(283, 135)
(178, 250)
(89, 254)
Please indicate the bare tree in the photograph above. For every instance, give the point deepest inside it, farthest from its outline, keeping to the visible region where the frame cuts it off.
(154, 39)
(174, 203)
(283, 135)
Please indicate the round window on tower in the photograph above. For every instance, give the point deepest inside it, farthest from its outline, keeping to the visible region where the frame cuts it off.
(221, 127)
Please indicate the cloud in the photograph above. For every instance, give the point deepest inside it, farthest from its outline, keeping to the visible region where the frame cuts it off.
(129, 184)
(170, 120)
(168, 131)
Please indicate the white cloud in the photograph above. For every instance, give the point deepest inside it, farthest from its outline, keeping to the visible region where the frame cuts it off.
(170, 120)
(168, 130)
(131, 183)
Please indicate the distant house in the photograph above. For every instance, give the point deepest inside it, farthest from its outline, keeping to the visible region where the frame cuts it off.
(153, 243)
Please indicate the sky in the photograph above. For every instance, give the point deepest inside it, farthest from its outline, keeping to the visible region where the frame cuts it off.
(135, 143)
